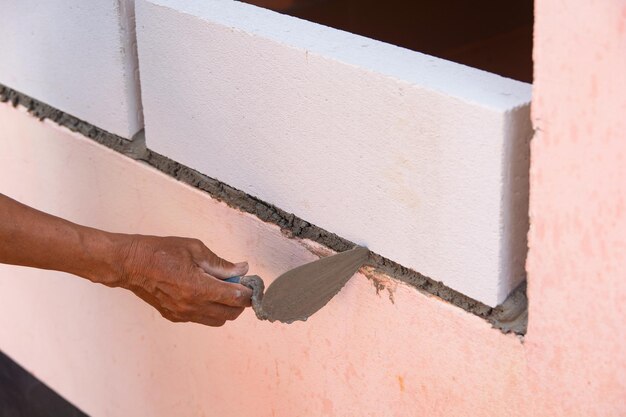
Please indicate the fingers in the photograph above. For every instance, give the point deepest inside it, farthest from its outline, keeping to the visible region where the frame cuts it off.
(229, 294)
(214, 315)
(211, 314)
(218, 267)
(183, 281)
(217, 314)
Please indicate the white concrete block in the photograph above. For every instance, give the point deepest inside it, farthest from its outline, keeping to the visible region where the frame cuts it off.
(76, 55)
(422, 160)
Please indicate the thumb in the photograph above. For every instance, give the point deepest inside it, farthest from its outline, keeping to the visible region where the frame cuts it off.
(221, 268)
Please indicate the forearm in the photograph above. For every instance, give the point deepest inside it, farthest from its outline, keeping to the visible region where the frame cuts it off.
(180, 277)
(32, 238)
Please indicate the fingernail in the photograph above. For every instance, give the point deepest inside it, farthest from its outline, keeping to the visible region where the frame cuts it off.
(241, 266)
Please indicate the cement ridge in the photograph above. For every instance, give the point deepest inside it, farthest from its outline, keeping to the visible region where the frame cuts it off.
(510, 316)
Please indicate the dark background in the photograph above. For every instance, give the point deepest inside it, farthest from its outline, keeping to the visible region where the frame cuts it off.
(494, 35)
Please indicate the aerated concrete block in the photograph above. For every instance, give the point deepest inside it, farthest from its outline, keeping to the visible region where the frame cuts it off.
(422, 160)
(76, 55)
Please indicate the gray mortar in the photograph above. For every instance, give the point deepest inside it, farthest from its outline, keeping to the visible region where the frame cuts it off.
(256, 284)
(510, 316)
(302, 291)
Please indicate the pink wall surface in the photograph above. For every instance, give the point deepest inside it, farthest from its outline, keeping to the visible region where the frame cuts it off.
(576, 342)
(362, 355)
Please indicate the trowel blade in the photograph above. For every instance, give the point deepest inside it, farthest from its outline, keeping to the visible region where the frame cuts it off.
(302, 291)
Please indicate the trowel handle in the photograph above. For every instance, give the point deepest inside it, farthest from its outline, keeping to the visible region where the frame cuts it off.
(234, 280)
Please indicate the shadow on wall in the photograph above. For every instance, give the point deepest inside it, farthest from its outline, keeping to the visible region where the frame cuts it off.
(21, 394)
(492, 35)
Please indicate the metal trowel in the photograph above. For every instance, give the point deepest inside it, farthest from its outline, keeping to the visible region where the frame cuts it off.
(302, 291)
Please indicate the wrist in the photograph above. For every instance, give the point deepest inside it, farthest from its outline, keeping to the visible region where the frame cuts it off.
(107, 253)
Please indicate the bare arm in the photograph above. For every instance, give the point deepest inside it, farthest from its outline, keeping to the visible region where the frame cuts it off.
(180, 277)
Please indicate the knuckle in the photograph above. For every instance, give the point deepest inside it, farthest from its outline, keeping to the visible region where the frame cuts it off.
(240, 298)
(230, 297)
(234, 296)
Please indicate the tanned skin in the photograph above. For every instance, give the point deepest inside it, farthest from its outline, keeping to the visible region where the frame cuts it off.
(180, 277)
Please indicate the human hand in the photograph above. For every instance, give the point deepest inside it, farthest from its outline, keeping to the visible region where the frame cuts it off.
(182, 279)
(179, 277)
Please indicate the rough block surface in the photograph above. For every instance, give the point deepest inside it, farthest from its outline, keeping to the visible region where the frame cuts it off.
(422, 160)
(78, 56)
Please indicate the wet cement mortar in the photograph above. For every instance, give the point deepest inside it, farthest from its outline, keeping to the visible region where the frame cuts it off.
(301, 292)
(510, 316)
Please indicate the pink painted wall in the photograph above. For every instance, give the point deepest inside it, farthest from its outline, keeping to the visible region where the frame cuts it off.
(113, 355)
(576, 341)
(361, 355)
